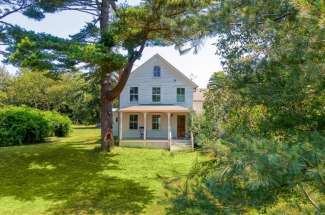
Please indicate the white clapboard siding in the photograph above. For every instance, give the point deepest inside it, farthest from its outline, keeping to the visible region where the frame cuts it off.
(169, 80)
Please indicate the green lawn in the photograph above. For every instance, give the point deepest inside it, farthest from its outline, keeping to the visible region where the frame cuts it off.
(68, 176)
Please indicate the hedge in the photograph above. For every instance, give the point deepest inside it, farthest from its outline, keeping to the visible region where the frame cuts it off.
(59, 125)
(20, 125)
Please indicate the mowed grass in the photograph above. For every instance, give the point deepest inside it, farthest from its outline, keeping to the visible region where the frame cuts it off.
(69, 176)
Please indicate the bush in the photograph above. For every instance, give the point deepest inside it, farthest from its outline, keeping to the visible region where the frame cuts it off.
(59, 125)
(20, 125)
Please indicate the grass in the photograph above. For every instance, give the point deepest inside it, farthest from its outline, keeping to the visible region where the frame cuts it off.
(68, 176)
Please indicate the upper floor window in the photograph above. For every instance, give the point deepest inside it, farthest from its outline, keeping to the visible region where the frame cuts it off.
(155, 122)
(180, 94)
(156, 94)
(156, 71)
(133, 122)
(134, 94)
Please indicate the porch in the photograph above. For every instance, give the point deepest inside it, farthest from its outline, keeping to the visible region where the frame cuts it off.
(165, 127)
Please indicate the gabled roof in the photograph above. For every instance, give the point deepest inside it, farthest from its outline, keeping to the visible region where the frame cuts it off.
(172, 69)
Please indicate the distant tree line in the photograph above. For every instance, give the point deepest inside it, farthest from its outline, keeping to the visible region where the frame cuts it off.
(68, 93)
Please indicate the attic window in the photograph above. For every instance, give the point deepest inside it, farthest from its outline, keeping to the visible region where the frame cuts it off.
(180, 94)
(156, 71)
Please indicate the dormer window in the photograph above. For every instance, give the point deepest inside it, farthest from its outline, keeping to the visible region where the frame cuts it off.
(156, 71)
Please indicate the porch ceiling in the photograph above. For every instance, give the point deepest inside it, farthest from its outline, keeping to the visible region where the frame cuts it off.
(156, 108)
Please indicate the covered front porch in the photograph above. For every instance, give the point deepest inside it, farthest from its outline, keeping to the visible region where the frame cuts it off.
(155, 126)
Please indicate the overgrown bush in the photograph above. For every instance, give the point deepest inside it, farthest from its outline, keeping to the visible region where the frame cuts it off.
(59, 125)
(20, 125)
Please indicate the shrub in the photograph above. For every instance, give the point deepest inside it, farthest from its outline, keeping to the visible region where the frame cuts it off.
(20, 125)
(59, 125)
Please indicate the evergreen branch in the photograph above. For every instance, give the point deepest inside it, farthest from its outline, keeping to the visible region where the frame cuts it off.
(6, 23)
(322, 180)
(309, 197)
(4, 53)
(21, 7)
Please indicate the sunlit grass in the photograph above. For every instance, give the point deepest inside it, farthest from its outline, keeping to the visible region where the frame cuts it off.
(68, 176)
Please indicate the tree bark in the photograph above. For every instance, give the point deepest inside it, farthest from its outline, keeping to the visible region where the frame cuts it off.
(108, 93)
(106, 112)
(107, 140)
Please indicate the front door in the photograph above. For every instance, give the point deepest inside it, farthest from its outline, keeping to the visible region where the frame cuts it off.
(180, 127)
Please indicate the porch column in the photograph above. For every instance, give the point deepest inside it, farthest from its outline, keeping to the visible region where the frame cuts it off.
(121, 125)
(145, 126)
(169, 131)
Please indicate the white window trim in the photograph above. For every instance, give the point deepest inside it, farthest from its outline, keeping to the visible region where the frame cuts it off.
(134, 102)
(158, 123)
(156, 102)
(153, 72)
(137, 122)
(184, 95)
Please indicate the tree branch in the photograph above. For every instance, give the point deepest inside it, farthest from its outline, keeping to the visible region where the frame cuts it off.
(115, 92)
(6, 23)
(113, 5)
(82, 10)
(21, 7)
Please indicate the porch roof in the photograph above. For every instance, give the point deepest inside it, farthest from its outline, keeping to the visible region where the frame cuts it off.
(156, 108)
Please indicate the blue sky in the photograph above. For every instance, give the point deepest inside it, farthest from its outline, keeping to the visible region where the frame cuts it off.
(197, 66)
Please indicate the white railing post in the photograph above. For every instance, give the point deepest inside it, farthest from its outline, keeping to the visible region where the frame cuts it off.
(192, 140)
(169, 131)
(121, 125)
(145, 126)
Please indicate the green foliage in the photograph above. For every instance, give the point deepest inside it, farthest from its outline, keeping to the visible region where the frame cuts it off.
(201, 123)
(4, 82)
(267, 112)
(59, 125)
(254, 174)
(69, 94)
(150, 21)
(20, 125)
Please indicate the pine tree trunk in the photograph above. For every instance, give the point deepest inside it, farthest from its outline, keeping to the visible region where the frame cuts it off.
(108, 93)
(106, 112)
(107, 140)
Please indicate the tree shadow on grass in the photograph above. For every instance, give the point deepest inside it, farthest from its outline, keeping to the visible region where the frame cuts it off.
(72, 178)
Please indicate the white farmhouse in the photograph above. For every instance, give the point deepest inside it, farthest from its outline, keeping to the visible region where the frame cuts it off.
(155, 107)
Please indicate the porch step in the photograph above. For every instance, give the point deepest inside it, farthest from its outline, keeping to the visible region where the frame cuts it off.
(185, 142)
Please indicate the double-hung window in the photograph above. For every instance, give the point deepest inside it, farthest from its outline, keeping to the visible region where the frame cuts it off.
(156, 71)
(134, 94)
(156, 94)
(133, 122)
(180, 94)
(155, 122)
